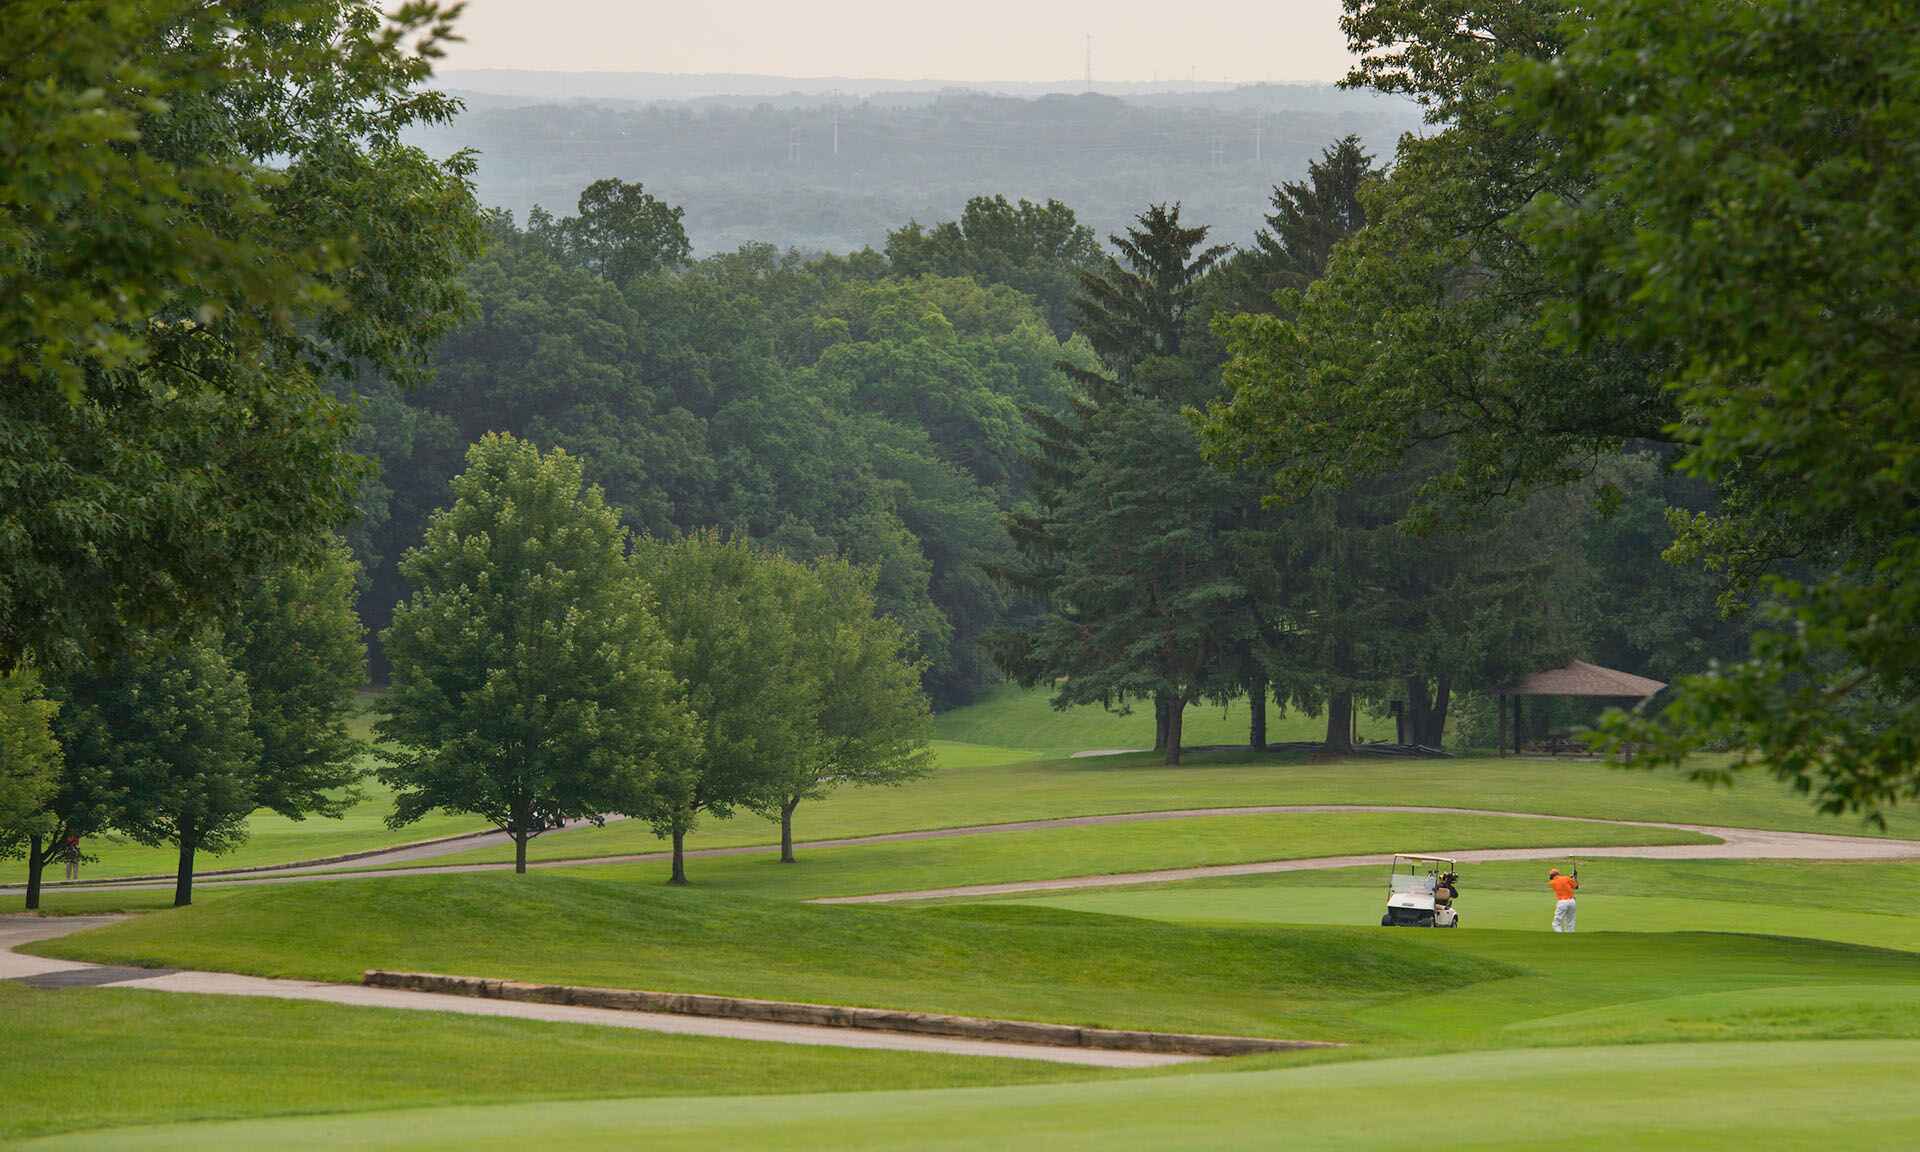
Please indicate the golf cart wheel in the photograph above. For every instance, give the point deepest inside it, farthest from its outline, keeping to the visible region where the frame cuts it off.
(1387, 920)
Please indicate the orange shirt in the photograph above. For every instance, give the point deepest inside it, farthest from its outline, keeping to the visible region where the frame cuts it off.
(1563, 887)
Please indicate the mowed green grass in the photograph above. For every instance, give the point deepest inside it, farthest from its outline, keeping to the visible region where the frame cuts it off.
(1011, 716)
(1816, 1097)
(274, 839)
(1012, 962)
(958, 794)
(81, 1058)
(1384, 989)
(1869, 903)
(1100, 849)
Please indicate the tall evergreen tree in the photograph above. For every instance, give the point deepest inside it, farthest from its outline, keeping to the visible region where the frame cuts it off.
(1128, 543)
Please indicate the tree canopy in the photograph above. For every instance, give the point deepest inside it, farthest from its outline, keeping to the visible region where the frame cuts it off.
(206, 215)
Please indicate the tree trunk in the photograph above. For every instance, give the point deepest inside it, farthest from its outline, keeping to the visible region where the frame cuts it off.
(1500, 708)
(1437, 715)
(1160, 722)
(1519, 727)
(786, 829)
(183, 879)
(36, 864)
(1340, 722)
(1416, 710)
(1257, 724)
(1176, 716)
(679, 857)
(520, 839)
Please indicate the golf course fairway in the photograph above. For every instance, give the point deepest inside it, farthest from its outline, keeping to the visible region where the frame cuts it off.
(1833, 1097)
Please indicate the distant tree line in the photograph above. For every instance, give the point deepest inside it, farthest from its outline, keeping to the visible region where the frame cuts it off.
(671, 538)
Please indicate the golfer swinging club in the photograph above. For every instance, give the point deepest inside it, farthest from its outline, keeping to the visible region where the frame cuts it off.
(1563, 887)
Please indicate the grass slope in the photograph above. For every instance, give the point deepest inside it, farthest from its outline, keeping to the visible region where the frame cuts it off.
(1390, 990)
(81, 1058)
(1832, 1097)
(1013, 962)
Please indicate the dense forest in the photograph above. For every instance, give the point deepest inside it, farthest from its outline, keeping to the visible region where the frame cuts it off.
(828, 173)
(991, 412)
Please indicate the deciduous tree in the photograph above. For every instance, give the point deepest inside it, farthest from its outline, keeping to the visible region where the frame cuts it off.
(869, 721)
(531, 682)
(736, 651)
(169, 728)
(206, 217)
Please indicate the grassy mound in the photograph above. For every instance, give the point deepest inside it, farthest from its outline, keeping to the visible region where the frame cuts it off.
(1015, 962)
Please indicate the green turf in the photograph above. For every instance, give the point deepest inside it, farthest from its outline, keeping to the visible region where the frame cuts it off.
(1420, 988)
(1013, 962)
(1196, 841)
(87, 1058)
(1871, 903)
(1818, 1097)
(958, 795)
(1017, 717)
(274, 839)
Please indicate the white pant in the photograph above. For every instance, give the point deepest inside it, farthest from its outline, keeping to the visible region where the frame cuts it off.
(1563, 915)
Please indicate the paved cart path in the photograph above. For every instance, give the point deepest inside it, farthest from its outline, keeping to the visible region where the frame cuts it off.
(40, 972)
(1735, 844)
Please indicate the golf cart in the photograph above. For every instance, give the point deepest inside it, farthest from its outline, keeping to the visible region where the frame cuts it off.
(1420, 893)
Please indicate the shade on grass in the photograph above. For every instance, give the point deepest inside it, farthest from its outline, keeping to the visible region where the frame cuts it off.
(1026, 718)
(274, 839)
(1711, 1097)
(85, 1058)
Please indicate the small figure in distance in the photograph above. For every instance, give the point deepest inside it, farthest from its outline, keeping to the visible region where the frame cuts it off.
(1564, 887)
(70, 849)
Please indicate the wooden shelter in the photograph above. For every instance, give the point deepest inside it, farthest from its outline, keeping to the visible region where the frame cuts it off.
(1576, 678)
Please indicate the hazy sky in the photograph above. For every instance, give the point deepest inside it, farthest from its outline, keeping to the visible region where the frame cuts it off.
(1238, 40)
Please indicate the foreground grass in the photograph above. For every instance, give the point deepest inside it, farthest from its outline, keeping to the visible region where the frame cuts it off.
(84, 1058)
(1730, 1097)
(1869, 903)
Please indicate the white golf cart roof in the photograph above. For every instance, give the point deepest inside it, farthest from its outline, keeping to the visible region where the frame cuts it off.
(1427, 859)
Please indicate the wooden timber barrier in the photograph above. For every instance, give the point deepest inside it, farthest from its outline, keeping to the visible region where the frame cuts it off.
(839, 1016)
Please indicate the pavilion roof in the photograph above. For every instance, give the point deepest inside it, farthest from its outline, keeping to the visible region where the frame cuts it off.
(1579, 678)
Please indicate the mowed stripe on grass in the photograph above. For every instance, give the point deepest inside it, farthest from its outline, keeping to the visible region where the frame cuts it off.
(1835, 1097)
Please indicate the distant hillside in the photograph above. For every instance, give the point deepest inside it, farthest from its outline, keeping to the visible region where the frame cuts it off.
(823, 172)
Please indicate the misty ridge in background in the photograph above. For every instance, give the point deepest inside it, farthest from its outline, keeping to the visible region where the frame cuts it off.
(834, 164)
